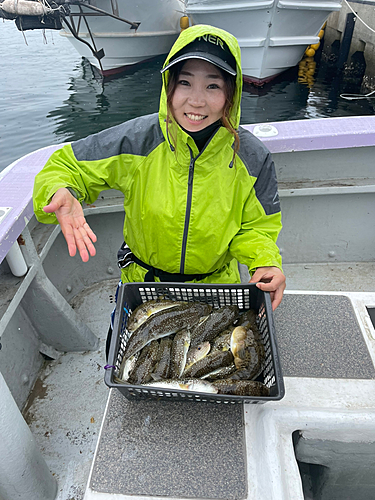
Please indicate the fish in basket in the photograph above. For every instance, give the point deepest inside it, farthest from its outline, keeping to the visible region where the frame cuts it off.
(188, 341)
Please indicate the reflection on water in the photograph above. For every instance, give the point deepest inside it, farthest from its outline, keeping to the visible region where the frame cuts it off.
(93, 105)
(288, 97)
(52, 95)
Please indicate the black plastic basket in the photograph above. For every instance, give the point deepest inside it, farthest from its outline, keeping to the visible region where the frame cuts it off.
(246, 297)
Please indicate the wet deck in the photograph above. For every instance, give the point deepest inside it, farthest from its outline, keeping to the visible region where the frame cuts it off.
(193, 450)
(327, 354)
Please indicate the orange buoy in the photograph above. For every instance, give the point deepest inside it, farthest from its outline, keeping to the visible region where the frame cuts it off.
(184, 22)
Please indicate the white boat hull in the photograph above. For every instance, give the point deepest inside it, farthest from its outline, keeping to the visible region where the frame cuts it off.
(126, 50)
(123, 46)
(272, 34)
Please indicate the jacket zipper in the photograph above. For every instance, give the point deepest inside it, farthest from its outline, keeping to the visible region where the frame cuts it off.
(188, 201)
(188, 209)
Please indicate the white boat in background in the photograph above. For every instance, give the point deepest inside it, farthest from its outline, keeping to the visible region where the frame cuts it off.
(116, 34)
(111, 34)
(273, 34)
(129, 32)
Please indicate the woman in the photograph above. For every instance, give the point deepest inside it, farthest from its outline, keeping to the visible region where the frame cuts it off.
(200, 193)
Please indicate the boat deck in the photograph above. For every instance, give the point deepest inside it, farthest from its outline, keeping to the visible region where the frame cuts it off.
(196, 450)
(66, 407)
(98, 445)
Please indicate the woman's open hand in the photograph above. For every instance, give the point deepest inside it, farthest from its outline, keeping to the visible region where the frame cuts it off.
(76, 231)
(270, 279)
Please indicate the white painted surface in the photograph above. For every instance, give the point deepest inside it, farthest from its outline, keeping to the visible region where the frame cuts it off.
(318, 407)
(272, 34)
(24, 474)
(66, 422)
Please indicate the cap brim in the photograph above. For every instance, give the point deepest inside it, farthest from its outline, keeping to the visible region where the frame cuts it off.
(205, 57)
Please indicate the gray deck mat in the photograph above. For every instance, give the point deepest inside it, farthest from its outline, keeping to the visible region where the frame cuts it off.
(167, 448)
(319, 336)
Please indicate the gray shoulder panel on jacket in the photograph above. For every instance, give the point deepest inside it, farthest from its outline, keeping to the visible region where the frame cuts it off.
(258, 161)
(136, 137)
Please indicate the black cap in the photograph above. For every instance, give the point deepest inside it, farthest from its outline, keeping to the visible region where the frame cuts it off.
(210, 48)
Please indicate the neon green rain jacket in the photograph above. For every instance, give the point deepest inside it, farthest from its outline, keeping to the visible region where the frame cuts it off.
(187, 211)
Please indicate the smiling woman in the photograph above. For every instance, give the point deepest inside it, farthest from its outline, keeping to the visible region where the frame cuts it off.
(200, 192)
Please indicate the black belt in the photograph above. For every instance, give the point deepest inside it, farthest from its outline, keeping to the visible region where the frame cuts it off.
(125, 257)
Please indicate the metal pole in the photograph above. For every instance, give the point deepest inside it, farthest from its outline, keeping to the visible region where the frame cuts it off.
(24, 474)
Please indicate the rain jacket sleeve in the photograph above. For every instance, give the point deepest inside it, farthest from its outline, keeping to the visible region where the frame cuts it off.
(85, 167)
(255, 243)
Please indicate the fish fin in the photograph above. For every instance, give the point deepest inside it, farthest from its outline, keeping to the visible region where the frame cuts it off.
(239, 352)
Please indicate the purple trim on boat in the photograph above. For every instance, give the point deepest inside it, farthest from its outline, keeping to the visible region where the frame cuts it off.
(323, 133)
(16, 189)
(16, 182)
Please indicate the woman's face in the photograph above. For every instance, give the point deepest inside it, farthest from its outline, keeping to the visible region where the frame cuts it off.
(199, 96)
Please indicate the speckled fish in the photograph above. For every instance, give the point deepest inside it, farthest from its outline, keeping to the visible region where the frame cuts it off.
(216, 322)
(161, 370)
(243, 374)
(210, 363)
(241, 387)
(164, 323)
(249, 320)
(140, 359)
(222, 341)
(247, 350)
(145, 310)
(196, 353)
(222, 372)
(119, 381)
(180, 347)
(145, 365)
(127, 366)
(185, 385)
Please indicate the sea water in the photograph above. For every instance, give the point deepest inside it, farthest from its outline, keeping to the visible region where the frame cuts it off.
(50, 95)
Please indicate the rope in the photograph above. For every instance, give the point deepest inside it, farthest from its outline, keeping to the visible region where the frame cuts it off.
(352, 97)
(357, 16)
(48, 9)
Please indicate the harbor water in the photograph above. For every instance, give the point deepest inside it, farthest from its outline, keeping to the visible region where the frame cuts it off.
(50, 95)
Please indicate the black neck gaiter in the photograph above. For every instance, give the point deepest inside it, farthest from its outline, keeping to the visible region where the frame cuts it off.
(202, 136)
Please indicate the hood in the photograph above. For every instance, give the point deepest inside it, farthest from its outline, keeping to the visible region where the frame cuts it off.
(187, 36)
